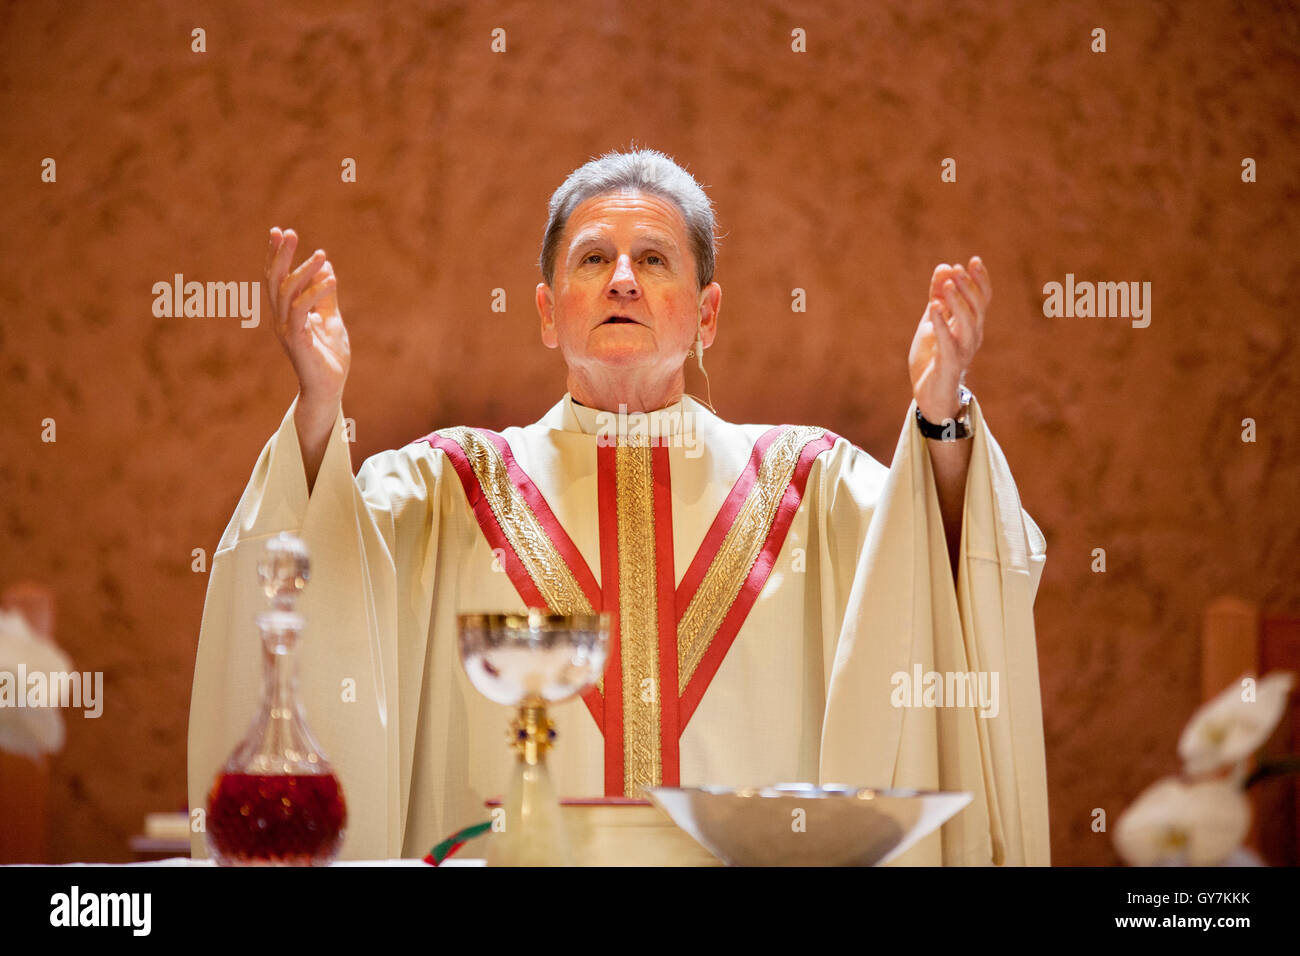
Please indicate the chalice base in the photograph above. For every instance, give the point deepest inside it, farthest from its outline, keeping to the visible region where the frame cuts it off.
(533, 833)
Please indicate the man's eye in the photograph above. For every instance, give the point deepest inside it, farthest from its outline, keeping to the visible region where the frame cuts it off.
(589, 256)
(658, 259)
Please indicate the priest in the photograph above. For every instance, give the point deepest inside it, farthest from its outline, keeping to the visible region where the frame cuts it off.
(771, 588)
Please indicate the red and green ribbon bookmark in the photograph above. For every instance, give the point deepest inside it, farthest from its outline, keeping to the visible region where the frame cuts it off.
(454, 842)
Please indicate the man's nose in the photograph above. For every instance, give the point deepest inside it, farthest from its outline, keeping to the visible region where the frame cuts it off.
(623, 281)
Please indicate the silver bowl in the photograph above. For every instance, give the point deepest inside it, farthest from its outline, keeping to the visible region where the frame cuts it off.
(798, 824)
(511, 658)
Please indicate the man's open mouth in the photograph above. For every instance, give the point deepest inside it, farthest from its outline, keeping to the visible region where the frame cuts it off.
(620, 319)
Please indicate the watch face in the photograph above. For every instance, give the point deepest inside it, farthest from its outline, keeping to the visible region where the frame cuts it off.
(963, 413)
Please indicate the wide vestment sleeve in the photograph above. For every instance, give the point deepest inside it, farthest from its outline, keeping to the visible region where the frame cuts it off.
(903, 616)
(352, 663)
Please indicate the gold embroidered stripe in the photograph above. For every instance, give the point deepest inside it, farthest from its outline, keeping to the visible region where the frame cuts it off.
(638, 616)
(740, 548)
(540, 558)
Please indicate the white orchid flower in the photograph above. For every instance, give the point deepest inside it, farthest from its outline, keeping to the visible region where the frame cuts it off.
(27, 731)
(1227, 730)
(1174, 823)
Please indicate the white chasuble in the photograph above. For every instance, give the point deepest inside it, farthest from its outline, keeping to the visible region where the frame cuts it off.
(770, 590)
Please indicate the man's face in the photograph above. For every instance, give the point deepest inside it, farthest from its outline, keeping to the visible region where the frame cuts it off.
(625, 304)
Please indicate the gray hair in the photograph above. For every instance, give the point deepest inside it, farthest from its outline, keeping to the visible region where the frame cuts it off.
(647, 170)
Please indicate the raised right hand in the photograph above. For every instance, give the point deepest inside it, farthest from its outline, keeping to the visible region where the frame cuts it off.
(306, 319)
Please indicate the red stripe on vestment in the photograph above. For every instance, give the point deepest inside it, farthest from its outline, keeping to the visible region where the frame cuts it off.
(612, 720)
(669, 728)
(758, 573)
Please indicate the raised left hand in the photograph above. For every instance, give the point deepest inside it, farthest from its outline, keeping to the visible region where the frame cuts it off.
(948, 336)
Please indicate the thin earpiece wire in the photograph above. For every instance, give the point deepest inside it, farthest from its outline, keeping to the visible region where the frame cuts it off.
(699, 357)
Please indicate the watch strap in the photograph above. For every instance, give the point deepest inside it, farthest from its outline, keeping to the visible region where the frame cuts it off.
(955, 430)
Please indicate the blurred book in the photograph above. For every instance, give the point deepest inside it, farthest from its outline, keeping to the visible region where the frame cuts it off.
(165, 835)
(167, 826)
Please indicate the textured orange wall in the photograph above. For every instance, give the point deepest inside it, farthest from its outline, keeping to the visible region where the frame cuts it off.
(825, 169)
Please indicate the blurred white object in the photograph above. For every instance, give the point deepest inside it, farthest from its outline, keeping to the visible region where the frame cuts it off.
(28, 731)
(1227, 729)
(1174, 823)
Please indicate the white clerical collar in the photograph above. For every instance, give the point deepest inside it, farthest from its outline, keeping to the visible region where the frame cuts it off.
(591, 421)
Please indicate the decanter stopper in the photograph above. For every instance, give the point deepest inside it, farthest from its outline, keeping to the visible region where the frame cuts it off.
(284, 570)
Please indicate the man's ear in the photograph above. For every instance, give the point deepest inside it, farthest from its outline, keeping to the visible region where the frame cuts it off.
(710, 303)
(546, 309)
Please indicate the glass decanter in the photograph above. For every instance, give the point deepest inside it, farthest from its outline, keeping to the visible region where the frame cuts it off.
(277, 801)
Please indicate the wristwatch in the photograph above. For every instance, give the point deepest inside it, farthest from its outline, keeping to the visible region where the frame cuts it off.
(951, 429)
